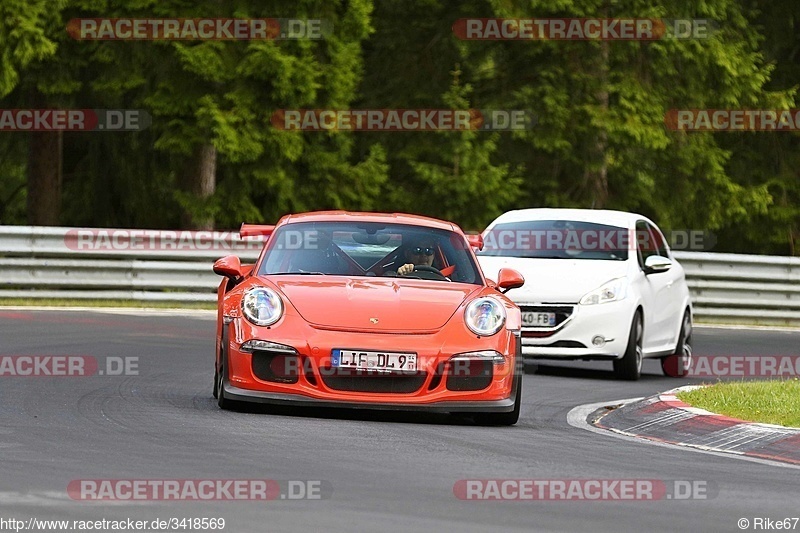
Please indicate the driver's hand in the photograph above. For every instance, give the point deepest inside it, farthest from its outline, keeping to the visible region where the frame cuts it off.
(408, 268)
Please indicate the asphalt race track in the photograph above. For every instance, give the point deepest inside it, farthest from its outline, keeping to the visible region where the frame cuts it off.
(378, 471)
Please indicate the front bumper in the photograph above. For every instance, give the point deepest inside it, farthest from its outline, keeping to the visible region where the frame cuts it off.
(572, 339)
(312, 384)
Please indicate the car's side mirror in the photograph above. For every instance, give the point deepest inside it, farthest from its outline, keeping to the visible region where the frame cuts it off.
(475, 241)
(229, 266)
(508, 279)
(657, 263)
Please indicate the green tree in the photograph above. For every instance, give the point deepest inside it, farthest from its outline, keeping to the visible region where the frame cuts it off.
(771, 159)
(26, 38)
(414, 61)
(211, 152)
(600, 140)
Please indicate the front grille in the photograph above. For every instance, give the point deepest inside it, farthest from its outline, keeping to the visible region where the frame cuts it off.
(563, 312)
(469, 375)
(349, 380)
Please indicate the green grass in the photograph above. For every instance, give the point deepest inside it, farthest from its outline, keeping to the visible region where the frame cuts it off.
(751, 322)
(770, 402)
(45, 302)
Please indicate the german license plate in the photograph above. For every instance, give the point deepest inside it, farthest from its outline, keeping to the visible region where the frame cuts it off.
(538, 319)
(373, 360)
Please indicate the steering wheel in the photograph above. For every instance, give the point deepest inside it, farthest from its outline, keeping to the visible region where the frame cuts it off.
(432, 270)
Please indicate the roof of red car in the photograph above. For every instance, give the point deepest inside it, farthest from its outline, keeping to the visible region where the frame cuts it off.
(392, 218)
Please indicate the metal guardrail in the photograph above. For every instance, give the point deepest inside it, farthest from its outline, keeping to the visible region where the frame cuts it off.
(175, 266)
(115, 264)
(736, 288)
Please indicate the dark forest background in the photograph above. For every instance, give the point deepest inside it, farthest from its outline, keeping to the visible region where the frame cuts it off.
(211, 158)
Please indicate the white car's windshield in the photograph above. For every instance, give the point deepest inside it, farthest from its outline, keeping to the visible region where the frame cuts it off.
(369, 249)
(558, 239)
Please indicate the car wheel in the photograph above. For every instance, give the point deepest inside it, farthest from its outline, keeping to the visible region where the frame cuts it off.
(629, 367)
(503, 419)
(679, 364)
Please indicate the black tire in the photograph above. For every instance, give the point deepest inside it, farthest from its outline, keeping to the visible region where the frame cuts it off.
(503, 419)
(679, 364)
(629, 366)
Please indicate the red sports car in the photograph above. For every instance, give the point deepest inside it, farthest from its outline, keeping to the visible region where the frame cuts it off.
(368, 310)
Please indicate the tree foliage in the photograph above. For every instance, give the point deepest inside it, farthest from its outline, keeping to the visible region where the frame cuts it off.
(600, 139)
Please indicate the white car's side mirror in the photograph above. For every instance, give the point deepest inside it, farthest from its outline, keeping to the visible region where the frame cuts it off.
(657, 263)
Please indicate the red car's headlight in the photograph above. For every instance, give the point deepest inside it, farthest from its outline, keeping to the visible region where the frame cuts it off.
(262, 306)
(485, 316)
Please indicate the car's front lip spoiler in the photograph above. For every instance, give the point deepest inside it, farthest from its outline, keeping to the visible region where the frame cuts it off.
(298, 400)
(581, 354)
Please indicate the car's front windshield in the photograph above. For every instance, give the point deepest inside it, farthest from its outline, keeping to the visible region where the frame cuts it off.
(558, 239)
(369, 249)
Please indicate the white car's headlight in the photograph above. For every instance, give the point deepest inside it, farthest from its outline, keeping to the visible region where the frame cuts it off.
(485, 316)
(612, 291)
(262, 306)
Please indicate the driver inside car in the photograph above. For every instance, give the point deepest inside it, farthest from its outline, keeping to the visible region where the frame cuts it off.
(419, 253)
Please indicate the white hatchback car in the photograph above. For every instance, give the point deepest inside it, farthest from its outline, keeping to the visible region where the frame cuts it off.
(598, 285)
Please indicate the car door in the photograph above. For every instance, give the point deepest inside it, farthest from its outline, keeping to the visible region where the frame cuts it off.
(655, 291)
(672, 301)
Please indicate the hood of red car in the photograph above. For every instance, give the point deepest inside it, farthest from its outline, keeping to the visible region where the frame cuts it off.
(374, 304)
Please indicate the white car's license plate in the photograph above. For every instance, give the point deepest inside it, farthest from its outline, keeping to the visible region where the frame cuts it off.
(373, 360)
(538, 319)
